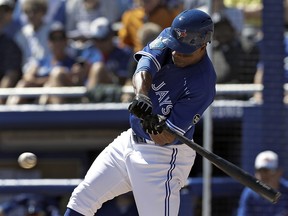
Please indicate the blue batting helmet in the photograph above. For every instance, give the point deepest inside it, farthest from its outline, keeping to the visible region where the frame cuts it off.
(190, 30)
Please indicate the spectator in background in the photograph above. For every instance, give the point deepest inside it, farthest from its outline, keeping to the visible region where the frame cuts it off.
(235, 57)
(233, 63)
(268, 170)
(175, 4)
(187, 4)
(79, 41)
(56, 70)
(11, 57)
(252, 10)
(65, 68)
(113, 69)
(32, 38)
(257, 97)
(244, 15)
(30, 205)
(233, 14)
(55, 12)
(146, 34)
(155, 11)
(80, 13)
(258, 78)
(249, 10)
(126, 5)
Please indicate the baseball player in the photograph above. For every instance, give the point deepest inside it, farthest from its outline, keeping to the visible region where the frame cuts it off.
(174, 83)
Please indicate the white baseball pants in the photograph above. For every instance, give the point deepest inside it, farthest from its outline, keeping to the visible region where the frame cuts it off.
(154, 173)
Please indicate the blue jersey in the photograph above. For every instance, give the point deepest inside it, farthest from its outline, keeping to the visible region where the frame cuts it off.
(91, 54)
(179, 94)
(252, 204)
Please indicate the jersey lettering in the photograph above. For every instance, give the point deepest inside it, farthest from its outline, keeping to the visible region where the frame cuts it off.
(166, 110)
(163, 98)
(165, 101)
(157, 88)
(161, 95)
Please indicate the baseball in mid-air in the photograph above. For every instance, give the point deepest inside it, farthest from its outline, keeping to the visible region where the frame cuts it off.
(27, 160)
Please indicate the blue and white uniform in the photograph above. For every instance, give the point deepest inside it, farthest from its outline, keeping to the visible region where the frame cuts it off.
(176, 89)
(130, 160)
(133, 162)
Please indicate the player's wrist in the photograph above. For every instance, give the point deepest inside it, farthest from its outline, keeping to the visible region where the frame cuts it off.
(143, 97)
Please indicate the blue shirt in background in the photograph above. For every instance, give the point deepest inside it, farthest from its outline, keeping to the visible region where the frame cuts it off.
(252, 204)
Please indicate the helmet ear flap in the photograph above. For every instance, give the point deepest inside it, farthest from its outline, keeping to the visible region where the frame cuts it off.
(208, 37)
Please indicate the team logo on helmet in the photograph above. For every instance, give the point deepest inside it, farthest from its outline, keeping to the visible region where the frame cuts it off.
(180, 33)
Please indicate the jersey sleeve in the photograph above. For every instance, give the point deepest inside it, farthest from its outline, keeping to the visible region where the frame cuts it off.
(157, 53)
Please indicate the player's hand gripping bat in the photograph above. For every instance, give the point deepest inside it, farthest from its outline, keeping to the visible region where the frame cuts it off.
(230, 169)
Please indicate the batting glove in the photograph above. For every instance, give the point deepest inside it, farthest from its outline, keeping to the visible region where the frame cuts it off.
(141, 106)
(153, 124)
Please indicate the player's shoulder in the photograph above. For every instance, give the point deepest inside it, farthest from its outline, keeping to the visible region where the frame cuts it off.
(155, 49)
(157, 44)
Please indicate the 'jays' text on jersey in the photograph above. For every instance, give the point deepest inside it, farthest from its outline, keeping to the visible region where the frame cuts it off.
(179, 94)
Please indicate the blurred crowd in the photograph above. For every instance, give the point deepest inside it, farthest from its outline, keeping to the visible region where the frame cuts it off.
(28, 204)
(90, 43)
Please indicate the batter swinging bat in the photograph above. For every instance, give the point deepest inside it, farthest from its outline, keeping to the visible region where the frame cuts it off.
(230, 169)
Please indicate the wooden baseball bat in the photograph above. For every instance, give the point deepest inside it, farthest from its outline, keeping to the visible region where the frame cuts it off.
(230, 169)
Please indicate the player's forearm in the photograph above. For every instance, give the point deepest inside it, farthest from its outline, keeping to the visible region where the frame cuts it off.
(142, 81)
